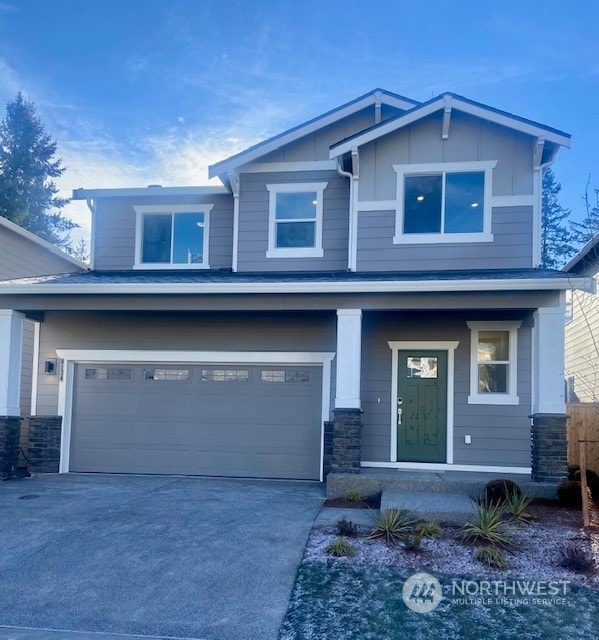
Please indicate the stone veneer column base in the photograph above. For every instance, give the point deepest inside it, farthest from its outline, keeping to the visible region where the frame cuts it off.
(549, 447)
(10, 435)
(342, 442)
(44, 444)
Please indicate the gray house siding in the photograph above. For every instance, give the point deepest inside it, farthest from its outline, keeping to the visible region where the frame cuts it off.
(500, 434)
(470, 139)
(27, 366)
(114, 230)
(253, 222)
(178, 332)
(511, 247)
(22, 258)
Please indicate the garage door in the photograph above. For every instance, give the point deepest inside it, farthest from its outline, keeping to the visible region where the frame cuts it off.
(233, 420)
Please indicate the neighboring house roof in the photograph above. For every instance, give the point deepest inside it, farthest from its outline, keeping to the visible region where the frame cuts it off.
(451, 101)
(262, 148)
(588, 255)
(184, 282)
(44, 244)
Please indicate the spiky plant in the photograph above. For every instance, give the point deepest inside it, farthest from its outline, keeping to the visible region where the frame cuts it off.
(354, 495)
(412, 542)
(346, 527)
(392, 524)
(489, 526)
(340, 547)
(517, 504)
(429, 530)
(576, 559)
(491, 556)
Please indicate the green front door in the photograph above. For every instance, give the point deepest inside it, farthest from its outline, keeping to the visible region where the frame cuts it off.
(422, 406)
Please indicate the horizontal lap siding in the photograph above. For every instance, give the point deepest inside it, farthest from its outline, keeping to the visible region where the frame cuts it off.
(500, 434)
(114, 230)
(253, 222)
(178, 332)
(510, 249)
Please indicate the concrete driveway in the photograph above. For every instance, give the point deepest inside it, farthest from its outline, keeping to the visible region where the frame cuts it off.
(150, 555)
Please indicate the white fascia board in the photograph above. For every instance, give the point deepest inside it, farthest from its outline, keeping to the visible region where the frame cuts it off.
(48, 246)
(85, 194)
(407, 286)
(222, 167)
(474, 110)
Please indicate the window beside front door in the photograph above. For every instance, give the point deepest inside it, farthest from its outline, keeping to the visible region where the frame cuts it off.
(493, 362)
(172, 236)
(295, 220)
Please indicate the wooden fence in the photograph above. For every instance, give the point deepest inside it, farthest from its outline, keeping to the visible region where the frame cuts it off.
(583, 424)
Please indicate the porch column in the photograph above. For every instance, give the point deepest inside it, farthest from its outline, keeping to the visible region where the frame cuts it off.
(11, 341)
(349, 357)
(549, 449)
(343, 433)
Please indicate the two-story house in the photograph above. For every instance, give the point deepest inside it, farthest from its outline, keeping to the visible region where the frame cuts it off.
(362, 291)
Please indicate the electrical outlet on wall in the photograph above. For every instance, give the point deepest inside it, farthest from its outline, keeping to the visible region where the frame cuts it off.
(468, 439)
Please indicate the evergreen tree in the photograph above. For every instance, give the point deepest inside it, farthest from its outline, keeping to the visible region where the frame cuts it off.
(583, 231)
(80, 251)
(556, 237)
(28, 195)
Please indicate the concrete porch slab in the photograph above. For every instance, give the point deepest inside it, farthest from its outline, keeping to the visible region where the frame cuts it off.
(448, 508)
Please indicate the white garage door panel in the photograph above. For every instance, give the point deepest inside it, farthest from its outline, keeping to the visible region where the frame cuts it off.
(247, 428)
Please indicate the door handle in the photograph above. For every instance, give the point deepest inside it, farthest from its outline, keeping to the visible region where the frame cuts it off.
(399, 410)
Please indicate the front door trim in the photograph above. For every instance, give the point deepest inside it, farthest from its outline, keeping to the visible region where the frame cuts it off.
(434, 345)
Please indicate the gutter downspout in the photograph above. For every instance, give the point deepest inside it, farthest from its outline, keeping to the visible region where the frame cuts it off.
(352, 235)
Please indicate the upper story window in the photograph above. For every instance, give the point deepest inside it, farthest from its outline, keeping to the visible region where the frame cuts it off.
(172, 236)
(295, 220)
(448, 202)
(493, 362)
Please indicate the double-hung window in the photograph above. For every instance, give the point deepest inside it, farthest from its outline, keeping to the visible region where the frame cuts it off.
(448, 202)
(493, 362)
(295, 220)
(172, 236)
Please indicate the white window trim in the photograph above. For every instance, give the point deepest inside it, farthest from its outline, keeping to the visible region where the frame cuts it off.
(295, 252)
(156, 209)
(428, 345)
(403, 170)
(70, 357)
(494, 398)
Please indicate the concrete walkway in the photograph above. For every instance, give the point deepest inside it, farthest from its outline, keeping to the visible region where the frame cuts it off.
(150, 556)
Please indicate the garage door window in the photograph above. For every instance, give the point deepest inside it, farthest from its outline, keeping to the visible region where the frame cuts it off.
(282, 375)
(108, 373)
(225, 375)
(171, 375)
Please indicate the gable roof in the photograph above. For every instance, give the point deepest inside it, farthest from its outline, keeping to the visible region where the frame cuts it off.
(453, 101)
(44, 244)
(585, 257)
(349, 108)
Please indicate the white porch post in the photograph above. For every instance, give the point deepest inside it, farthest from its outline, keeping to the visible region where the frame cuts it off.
(11, 345)
(349, 356)
(548, 360)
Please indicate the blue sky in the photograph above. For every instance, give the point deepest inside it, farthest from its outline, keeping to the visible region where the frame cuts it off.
(146, 91)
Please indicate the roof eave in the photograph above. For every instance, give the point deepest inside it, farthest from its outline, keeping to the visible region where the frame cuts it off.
(86, 194)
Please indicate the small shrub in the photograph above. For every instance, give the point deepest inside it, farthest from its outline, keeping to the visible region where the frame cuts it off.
(429, 530)
(491, 556)
(594, 488)
(353, 495)
(340, 547)
(590, 474)
(392, 525)
(497, 490)
(516, 504)
(489, 526)
(412, 542)
(569, 494)
(572, 469)
(346, 527)
(576, 559)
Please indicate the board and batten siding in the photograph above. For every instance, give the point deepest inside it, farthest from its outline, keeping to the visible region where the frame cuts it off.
(511, 247)
(203, 331)
(114, 230)
(254, 221)
(500, 433)
(470, 139)
(22, 258)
